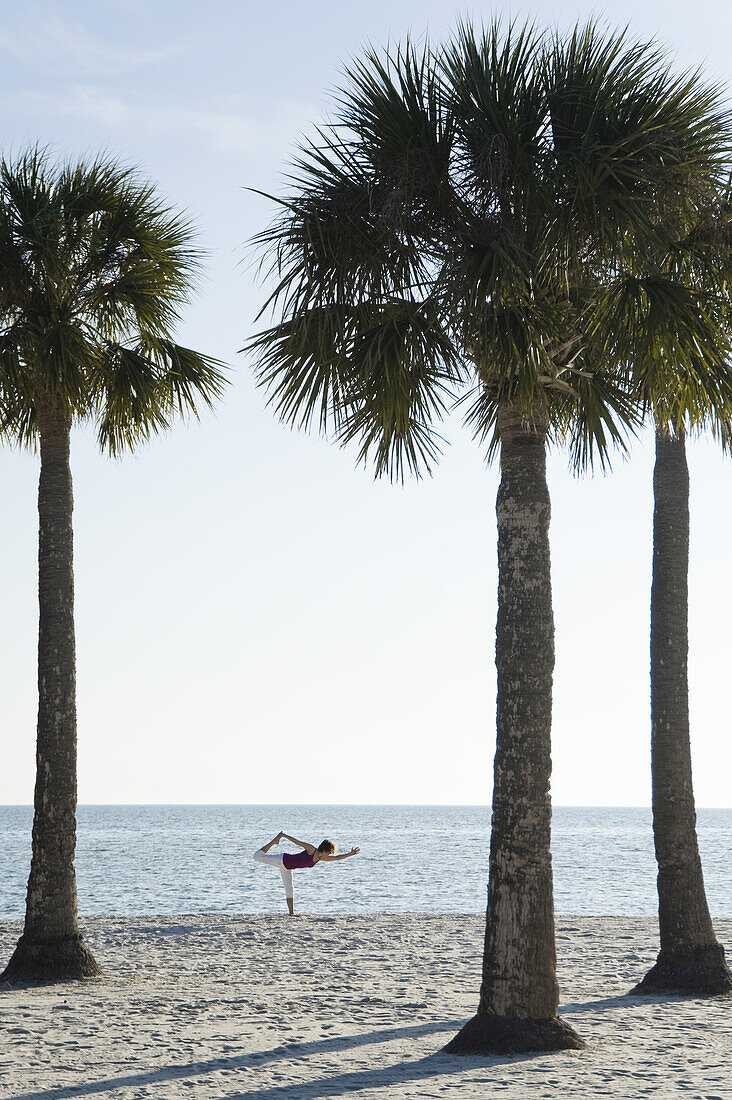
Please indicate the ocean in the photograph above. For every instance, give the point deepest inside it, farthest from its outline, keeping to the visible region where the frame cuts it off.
(419, 859)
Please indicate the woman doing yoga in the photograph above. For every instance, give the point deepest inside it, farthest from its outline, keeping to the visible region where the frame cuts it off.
(289, 862)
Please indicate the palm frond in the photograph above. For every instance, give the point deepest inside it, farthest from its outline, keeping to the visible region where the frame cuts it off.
(674, 338)
(301, 362)
(637, 146)
(140, 389)
(403, 369)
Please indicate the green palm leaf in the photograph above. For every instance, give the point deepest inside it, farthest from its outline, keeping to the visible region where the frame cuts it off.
(94, 269)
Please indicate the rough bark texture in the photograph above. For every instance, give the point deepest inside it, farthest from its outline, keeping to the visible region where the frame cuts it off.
(519, 993)
(690, 960)
(51, 946)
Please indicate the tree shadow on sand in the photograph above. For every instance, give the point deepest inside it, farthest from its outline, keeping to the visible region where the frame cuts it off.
(601, 1003)
(433, 1065)
(624, 1000)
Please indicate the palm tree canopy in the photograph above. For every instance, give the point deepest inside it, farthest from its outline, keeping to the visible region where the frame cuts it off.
(94, 269)
(481, 221)
(672, 313)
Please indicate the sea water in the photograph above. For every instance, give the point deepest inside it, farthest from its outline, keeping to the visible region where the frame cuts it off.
(418, 859)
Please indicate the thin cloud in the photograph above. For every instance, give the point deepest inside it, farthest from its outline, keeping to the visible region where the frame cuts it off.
(62, 45)
(224, 127)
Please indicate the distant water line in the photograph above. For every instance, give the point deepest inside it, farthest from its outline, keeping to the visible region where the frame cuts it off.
(429, 859)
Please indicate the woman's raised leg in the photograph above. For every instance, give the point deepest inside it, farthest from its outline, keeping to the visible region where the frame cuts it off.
(275, 840)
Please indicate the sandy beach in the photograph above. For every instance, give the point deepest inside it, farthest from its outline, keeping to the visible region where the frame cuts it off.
(268, 1008)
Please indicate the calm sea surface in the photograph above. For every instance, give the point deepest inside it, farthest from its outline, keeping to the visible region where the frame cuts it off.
(429, 859)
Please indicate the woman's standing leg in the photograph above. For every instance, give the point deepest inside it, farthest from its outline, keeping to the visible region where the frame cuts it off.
(289, 892)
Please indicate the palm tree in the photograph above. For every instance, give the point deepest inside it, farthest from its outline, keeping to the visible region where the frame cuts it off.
(93, 270)
(450, 229)
(684, 379)
(690, 960)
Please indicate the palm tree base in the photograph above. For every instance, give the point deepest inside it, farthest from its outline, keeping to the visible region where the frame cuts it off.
(488, 1033)
(50, 960)
(701, 971)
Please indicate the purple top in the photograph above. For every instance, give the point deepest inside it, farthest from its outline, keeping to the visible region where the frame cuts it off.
(292, 862)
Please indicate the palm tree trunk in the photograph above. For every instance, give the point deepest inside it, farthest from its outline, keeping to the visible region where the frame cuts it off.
(51, 946)
(690, 960)
(519, 994)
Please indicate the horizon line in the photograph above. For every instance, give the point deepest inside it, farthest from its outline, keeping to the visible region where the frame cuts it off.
(394, 805)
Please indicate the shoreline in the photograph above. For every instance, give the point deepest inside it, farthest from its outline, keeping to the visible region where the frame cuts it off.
(264, 1007)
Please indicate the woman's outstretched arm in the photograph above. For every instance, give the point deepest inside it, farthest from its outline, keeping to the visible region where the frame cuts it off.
(309, 848)
(343, 855)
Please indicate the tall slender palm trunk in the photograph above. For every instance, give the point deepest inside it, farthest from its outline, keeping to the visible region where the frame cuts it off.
(51, 945)
(519, 994)
(690, 960)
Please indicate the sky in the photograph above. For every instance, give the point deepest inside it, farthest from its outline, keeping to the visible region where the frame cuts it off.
(258, 619)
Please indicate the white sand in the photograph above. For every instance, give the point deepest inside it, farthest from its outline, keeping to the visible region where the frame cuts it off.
(273, 1009)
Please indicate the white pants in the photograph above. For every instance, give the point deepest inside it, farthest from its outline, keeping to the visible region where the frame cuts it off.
(275, 859)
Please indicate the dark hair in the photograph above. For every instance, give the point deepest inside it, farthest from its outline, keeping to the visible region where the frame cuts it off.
(327, 846)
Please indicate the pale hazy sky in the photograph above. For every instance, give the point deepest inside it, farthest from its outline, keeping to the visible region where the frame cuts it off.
(257, 619)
